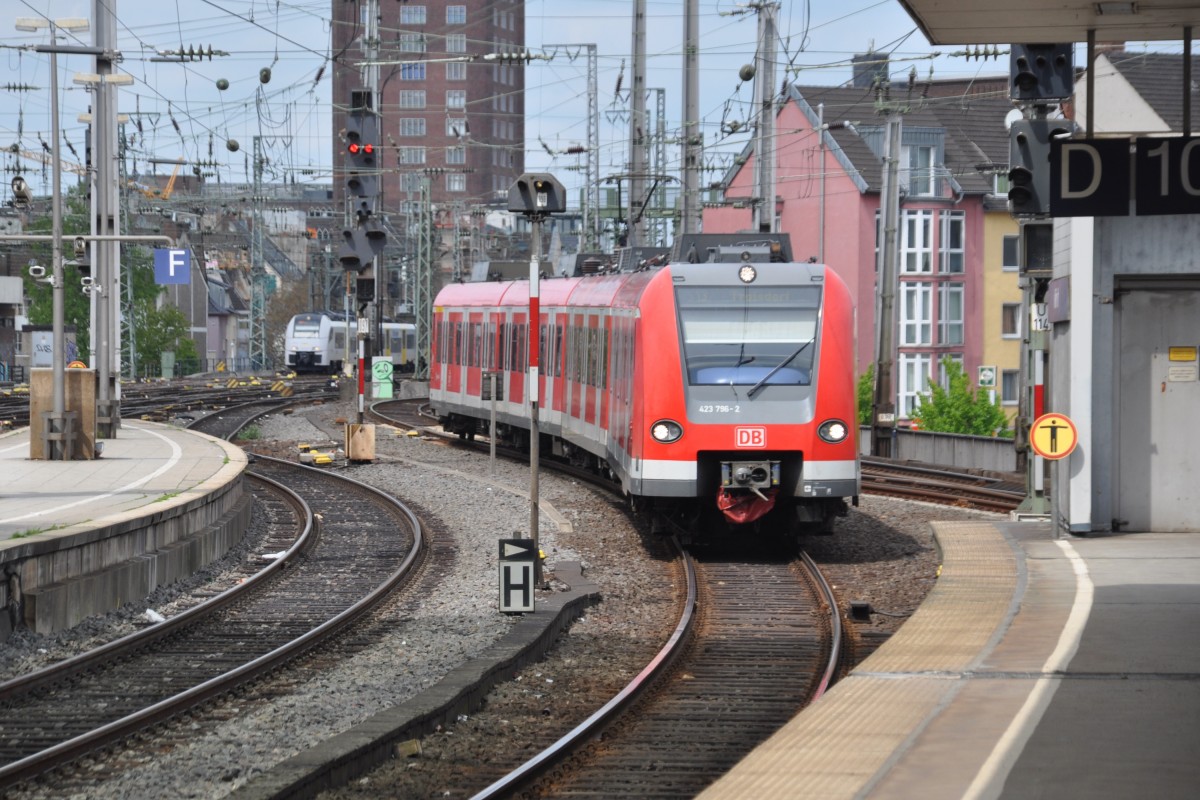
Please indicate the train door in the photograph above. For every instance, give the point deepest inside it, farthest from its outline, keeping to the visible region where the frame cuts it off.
(1158, 395)
(474, 355)
(518, 360)
(591, 338)
(605, 370)
(455, 334)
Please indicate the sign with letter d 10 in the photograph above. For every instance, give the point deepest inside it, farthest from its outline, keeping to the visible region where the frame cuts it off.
(172, 266)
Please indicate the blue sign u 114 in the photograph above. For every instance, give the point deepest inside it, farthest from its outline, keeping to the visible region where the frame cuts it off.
(172, 266)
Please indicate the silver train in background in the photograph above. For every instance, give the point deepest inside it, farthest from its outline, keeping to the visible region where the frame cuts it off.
(316, 342)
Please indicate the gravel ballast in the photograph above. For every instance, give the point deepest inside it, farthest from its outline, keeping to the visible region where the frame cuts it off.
(882, 553)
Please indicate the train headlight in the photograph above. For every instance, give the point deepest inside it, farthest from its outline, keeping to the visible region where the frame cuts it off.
(833, 430)
(666, 431)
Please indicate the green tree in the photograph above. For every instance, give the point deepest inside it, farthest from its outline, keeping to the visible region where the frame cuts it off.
(137, 272)
(161, 330)
(960, 409)
(76, 305)
(864, 394)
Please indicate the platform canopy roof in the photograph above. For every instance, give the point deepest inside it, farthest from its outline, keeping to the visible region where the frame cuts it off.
(947, 22)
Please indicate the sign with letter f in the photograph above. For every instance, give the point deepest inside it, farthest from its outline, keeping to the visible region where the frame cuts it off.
(172, 266)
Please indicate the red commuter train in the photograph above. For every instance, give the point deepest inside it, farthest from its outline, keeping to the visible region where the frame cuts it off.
(721, 386)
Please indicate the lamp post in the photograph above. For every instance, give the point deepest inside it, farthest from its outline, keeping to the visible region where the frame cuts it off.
(105, 261)
(56, 431)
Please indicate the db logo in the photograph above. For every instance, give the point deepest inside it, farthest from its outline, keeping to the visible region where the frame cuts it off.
(750, 437)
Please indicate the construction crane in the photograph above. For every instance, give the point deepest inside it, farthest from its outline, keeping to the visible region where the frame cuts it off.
(79, 169)
(166, 191)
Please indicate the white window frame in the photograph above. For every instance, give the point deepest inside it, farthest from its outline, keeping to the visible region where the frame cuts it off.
(456, 15)
(411, 155)
(410, 42)
(410, 15)
(412, 71)
(456, 43)
(456, 122)
(917, 169)
(456, 155)
(412, 98)
(916, 313)
(456, 182)
(456, 71)
(412, 126)
(1010, 252)
(948, 292)
(951, 259)
(916, 242)
(1010, 378)
(1017, 331)
(913, 372)
(456, 98)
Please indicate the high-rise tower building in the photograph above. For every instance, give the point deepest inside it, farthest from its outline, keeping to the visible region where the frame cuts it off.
(450, 97)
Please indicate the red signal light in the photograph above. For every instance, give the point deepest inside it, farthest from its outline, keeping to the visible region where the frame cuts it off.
(355, 149)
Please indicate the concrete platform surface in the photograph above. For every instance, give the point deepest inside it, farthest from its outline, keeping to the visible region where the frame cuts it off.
(148, 467)
(1039, 667)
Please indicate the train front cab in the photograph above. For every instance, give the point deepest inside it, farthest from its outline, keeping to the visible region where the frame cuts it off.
(760, 418)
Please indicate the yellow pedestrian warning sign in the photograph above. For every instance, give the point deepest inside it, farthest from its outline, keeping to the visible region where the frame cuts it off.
(1053, 436)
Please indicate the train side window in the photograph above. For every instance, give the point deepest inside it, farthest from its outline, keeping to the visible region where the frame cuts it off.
(593, 376)
(558, 350)
(602, 378)
(542, 346)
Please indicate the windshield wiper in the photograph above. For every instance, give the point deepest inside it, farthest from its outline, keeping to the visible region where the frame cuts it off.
(780, 366)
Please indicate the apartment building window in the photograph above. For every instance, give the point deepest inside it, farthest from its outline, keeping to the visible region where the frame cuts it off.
(1010, 384)
(950, 313)
(1011, 257)
(412, 98)
(916, 313)
(456, 182)
(411, 42)
(456, 43)
(916, 169)
(456, 155)
(916, 242)
(1010, 320)
(411, 15)
(456, 15)
(456, 98)
(411, 182)
(952, 253)
(412, 155)
(412, 72)
(412, 126)
(914, 369)
(456, 126)
(456, 71)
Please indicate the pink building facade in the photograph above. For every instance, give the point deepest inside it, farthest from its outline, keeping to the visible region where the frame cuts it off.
(829, 173)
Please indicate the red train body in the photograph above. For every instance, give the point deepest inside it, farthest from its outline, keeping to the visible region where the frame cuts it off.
(703, 388)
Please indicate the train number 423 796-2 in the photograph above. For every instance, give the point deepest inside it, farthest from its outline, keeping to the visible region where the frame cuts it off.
(720, 408)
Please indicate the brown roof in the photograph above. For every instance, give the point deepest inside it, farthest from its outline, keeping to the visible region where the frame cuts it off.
(975, 134)
(1158, 78)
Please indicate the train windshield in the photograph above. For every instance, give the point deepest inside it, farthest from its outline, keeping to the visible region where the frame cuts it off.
(748, 335)
(306, 328)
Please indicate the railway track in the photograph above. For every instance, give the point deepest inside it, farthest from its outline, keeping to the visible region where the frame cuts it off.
(949, 487)
(324, 531)
(757, 641)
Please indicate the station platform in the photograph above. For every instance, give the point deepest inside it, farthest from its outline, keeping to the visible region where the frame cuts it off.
(1038, 667)
(85, 536)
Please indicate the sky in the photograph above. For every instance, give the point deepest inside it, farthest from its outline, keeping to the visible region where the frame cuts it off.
(183, 113)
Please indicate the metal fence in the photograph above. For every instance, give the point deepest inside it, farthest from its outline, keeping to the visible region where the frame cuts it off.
(948, 449)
